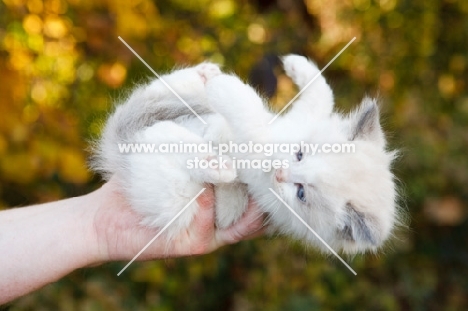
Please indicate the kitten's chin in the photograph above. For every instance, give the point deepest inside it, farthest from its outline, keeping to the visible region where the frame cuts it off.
(352, 248)
(341, 246)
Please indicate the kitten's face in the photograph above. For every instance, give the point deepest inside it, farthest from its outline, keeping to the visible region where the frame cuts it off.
(347, 198)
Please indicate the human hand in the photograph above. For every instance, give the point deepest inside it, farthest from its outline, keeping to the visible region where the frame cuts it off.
(119, 235)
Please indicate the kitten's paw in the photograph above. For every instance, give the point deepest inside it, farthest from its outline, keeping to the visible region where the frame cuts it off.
(299, 69)
(208, 71)
(220, 169)
(231, 202)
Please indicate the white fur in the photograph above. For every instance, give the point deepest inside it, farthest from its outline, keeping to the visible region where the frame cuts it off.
(350, 197)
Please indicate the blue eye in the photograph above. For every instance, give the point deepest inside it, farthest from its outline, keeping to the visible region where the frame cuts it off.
(299, 156)
(300, 192)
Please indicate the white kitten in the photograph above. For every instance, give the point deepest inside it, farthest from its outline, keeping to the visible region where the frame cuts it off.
(348, 198)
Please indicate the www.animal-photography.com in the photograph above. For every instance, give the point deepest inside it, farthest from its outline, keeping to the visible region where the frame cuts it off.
(233, 155)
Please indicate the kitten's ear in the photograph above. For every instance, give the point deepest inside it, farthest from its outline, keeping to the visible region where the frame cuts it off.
(357, 228)
(365, 124)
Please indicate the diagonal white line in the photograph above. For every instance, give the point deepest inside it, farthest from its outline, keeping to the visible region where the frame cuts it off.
(164, 82)
(311, 81)
(312, 230)
(162, 230)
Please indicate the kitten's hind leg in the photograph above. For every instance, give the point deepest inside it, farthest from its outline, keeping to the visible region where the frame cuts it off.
(159, 184)
(210, 168)
(202, 164)
(157, 101)
(231, 203)
(240, 105)
(206, 71)
(316, 97)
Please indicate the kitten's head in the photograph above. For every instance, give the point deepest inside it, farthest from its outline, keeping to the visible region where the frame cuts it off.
(347, 198)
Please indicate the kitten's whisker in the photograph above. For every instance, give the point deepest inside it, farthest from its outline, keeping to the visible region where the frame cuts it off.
(258, 216)
(271, 214)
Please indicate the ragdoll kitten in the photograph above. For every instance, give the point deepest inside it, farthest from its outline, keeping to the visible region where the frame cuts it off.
(348, 198)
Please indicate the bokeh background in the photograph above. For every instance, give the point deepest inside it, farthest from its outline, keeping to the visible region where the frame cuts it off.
(61, 66)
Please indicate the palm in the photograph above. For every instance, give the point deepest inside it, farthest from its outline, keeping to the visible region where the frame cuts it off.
(121, 237)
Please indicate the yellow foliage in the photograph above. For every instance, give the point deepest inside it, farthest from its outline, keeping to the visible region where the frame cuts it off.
(112, 74)
(19, 167)
(32, 24)
(72, 165)
(256, 33)
(61, 66)
(222, 8)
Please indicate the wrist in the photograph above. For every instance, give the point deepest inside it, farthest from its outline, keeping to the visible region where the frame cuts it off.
(108, 220)
(92, 205)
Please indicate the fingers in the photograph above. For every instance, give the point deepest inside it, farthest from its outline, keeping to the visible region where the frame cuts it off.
(249, 226)
(206, 200)
(256, 234)
(204, 238)
(203, 223)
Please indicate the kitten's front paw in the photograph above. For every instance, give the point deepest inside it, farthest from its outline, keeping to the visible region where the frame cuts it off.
(220, 169)
(299, 69)
(208, 71)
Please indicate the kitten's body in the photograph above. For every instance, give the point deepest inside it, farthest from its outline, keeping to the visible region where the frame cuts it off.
(348, 199)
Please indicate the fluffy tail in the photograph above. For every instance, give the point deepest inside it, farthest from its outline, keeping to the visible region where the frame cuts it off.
(141, 109)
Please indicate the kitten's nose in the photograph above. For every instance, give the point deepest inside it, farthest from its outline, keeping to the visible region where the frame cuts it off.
(280, 175)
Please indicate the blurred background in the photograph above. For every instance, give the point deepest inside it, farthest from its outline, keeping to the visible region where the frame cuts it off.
(62, 65)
